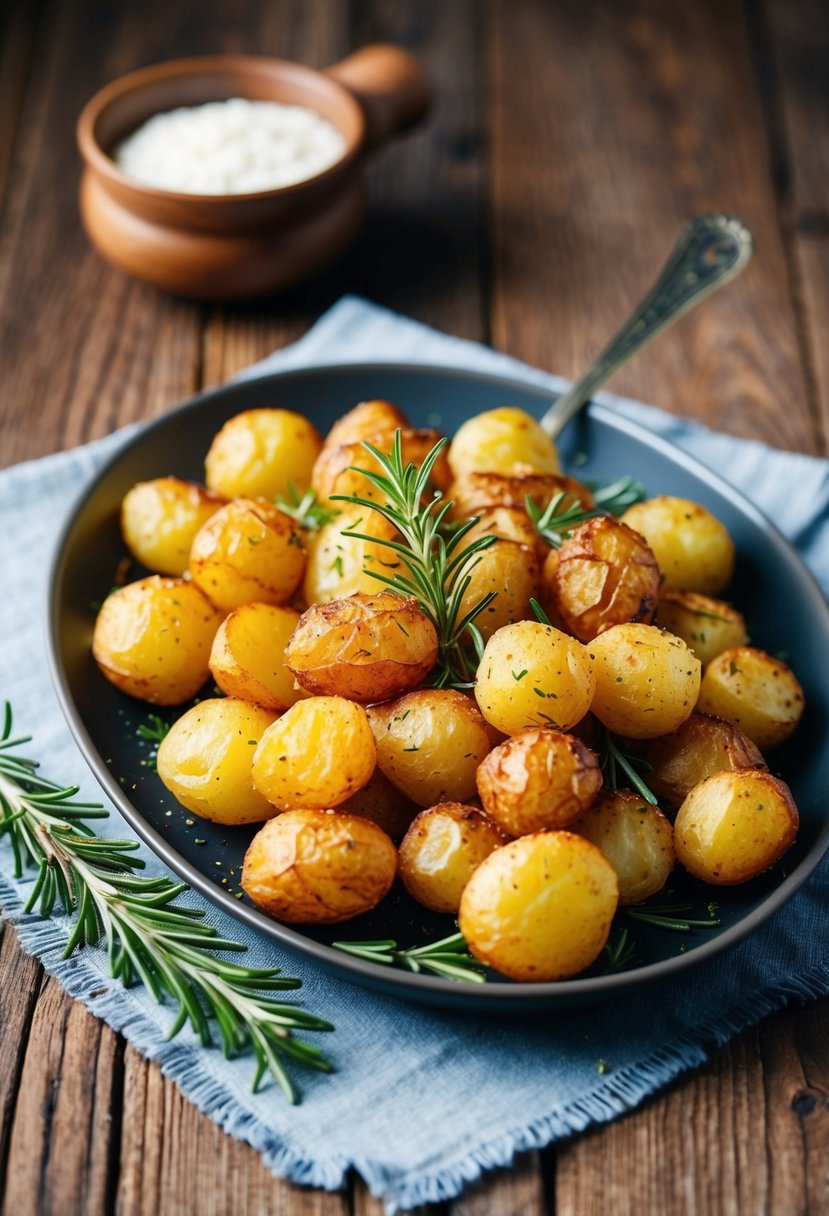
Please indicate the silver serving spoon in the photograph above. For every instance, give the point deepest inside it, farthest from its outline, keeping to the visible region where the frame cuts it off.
(710, 251)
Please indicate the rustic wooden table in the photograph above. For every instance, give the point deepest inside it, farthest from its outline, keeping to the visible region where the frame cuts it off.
(570, 141)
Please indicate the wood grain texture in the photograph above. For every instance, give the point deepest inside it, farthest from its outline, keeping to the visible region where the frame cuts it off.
(21, 979)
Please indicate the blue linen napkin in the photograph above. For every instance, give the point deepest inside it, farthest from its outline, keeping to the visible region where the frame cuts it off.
(422, 1102)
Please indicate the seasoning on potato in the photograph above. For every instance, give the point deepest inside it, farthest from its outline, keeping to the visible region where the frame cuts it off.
(441, 850)
(262, 453)
(340, 565)
(316, 867)
(735, 825)
(540, 908)
(476, 492)
(635, 838)
(160, 518)
(536, 780)
(338, 468)
(759, 693)
(247, 659)
(205, 760)
(249, 552)
(647, 681)
(692, 547)
(316, 755)
(504, 440)
(706, 625)
(511, 571)
(702, 746)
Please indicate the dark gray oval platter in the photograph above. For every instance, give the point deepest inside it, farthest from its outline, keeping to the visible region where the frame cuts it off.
(783, 605)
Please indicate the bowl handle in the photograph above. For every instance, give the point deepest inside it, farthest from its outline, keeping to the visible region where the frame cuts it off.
(389, 84)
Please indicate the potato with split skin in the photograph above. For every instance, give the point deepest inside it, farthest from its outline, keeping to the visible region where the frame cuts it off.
(702, 746)
(247, 659)
(534, 675)
(430, 743)
(316, 755)
(537, 780)
(152, 639)
(338, 468)
(647, 681)
(635, 838)
(474, 493)
(605, 574)
(499, 441)
(341, 565)
(757, 692)
(206, 757)
(366, 647)
(706, 625)
(368, 420)
(262, 453)
(540, 908)
(734, 826)
(249, 552)
(510, 571)
(442, 849)
(160, 518)
(692, 547)
(313, 867)
(382, 803)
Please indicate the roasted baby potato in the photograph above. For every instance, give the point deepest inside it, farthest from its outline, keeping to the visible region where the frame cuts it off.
(635, 838)
(701, 747)
(152, 639)
(337, 468)
(249, 552)
(369, 420)
(508, 523)
(340, 565)
(647, 681)
(205, 760)
(735, 825)
(319, 753)
(511, 571)
(534, 675)
(247, 659)
(261, 454)
(311, 867)
(503, 440)
(159, 519)
(366, 647)
(537, 780)
(605, 574)
(706, 625)
(540, 908)
(430, 743)
(382, 803)
(693, 549)
(441, 850)
(759, 693)
(474, 493)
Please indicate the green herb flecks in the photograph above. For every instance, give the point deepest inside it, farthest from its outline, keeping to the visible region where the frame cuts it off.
(304, 508)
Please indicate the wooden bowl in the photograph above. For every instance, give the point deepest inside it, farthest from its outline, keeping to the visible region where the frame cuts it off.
(236, 246)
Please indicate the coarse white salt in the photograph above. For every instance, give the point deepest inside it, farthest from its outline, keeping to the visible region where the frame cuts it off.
(230, 147)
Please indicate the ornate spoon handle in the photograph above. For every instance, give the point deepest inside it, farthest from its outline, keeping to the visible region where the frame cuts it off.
(710, 251)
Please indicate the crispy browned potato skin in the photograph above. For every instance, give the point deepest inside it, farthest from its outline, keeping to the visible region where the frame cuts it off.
(758, 692)
(382, 803)
(366, 647)
(260, 453)
(475, 493)
(334, 469)
(442, 849)
(702, 746)
(160, 518)
(706, 625)
(635, 838)
(692, 547)
(647, 681)
(606, 574)
(537, 780)
(511, 571)
(310, 867)
(735, 825)
(248, 552)
(368, 420)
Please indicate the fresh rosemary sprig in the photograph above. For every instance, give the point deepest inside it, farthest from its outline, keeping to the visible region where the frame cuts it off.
(670, 916)
(620, 952)
(304, 508)
(438, 568)
(612, 759)
(448, 958)
(563, 513)
(148, 937)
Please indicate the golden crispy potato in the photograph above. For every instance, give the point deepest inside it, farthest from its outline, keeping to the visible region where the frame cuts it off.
(368, 420)
(534, 675)
(430, 743)
(706, 625)
(366, 647)
(159, 519)
(693, 549)
(605, 574)
(339, 565)
(441, 850)
(382, 803)
(636, 839)
(337, 468)
(319, 753)
(261, 453)
(540, 908)
(311, 867)
(509, 523)
(511, 571)
(247, 659)
(759, 693)
(499, 440)
(474, 493)
(205, 760)
(152, 639)
(249, 552)
(701, 747)
(735, 825)
(537, 780)
(647, 681)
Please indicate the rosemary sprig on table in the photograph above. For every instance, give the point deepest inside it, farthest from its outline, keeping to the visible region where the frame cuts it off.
(149, 938)
(304, 508)
(438, 567)
(448, 958)
(563, 513)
